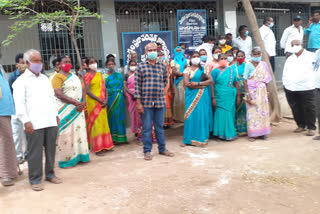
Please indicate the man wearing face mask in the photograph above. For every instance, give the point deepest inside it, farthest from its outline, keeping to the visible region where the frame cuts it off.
(244, 41)
(269, 39)
(222, 44)
(8, 161)
(299, 85)
(208, 44)
(151, 78)
(36, 108)
(17, 126)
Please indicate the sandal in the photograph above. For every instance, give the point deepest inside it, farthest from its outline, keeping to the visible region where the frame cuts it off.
(147, 156)
(54, 180)
(316, 138)
(37, 187)
(167, 153)
(182, 145)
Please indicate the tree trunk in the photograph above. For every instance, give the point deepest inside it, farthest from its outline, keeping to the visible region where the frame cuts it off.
(275, 113)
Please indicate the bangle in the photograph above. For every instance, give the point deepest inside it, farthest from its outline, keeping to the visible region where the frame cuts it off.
(198, 83)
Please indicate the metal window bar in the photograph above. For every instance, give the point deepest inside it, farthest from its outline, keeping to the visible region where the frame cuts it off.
(158, 16)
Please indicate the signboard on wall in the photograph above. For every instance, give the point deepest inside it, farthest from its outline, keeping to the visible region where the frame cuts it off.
(136, 41)
(192, 27)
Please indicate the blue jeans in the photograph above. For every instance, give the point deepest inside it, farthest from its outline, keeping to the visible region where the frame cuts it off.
(18, 137)
(312, 49)
(155, 115)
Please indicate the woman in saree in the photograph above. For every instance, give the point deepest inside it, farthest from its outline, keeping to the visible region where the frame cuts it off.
(99, 135)
(169, 91)
(178, 65)
(256, 77)
(72, 143)
(203, 60)
(241, 110)
(116, 109)
(224, 94)
(197, 101)
(136, 123)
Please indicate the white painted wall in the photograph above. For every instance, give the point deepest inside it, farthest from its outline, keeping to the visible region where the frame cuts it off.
(27, 40)
(109, 28)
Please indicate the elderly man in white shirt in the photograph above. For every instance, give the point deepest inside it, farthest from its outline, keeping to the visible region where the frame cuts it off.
(299, 85)
(36, 108)
(269, 39)
(294, 32)
(244, 41)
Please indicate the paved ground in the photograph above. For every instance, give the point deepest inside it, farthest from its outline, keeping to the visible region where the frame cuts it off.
(281, 175)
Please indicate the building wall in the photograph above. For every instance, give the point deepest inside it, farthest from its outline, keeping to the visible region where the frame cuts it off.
(27, 40)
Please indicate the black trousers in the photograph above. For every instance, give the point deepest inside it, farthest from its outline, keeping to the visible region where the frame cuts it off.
(39, 139)
(272, 63)
(318, 107)
(302, 104)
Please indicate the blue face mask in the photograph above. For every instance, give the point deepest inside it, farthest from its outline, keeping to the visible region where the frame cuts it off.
(271, 25)
(203, 58)
(256, 59)
(246, 33)
(152, 55)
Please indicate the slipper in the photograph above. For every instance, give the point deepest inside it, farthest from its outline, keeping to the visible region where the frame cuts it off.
(54, 180)
(251, 139)
(148, 156)
(167, 153)
(182, 145)
(7, 182)
(37, 187)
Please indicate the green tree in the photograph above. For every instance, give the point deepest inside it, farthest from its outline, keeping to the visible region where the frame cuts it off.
(26, 16)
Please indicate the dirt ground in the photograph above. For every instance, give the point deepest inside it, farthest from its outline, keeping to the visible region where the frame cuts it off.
(281, 175)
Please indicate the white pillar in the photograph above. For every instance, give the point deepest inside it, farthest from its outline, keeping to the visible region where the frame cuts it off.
(109, 29)
(230, 17)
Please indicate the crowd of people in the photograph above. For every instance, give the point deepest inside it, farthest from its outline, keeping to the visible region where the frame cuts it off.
(217, 90)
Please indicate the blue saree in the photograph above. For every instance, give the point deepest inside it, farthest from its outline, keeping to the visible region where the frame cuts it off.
(225, 95)
(196, 125)
(116, 108)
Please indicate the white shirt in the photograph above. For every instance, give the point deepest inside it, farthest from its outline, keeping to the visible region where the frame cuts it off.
(317, 72)
(289, 34)
(208, 47)
(35, 101)
(269, 40)
(298, 74)
(244, 45)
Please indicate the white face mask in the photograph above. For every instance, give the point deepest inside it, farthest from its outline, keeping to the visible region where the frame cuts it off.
(230, 58)
(195, 61)
(296, 49)
(93, 66)
(222, 41)
(133, 68)
(215, 56)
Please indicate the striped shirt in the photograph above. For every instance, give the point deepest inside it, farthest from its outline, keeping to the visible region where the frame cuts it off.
(150, 81)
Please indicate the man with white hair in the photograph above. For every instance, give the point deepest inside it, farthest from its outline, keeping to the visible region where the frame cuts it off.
(299, 85)
(151, 78)
(36, 108)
